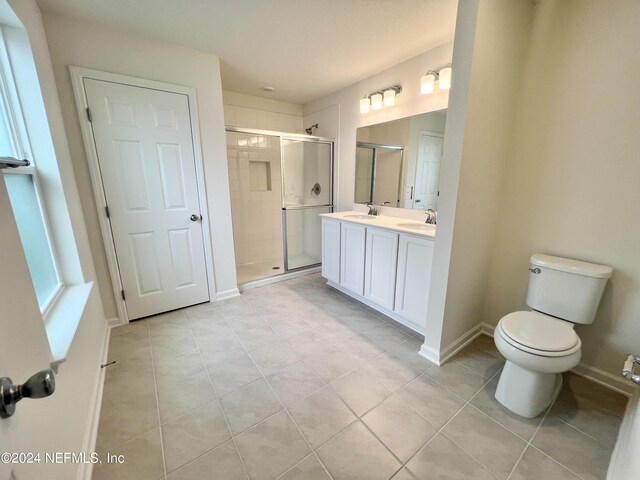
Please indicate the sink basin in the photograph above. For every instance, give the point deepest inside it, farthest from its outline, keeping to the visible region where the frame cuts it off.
(418, 226)
(361, 217)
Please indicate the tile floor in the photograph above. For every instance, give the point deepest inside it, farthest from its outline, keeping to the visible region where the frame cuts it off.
(296, 381)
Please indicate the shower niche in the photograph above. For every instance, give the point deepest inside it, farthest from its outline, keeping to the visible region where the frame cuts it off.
(279, 184)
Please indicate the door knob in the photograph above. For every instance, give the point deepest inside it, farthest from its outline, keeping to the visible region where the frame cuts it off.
(195, 218)
(40, 385)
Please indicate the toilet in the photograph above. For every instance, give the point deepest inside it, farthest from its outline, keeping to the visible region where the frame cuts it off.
(539, 345)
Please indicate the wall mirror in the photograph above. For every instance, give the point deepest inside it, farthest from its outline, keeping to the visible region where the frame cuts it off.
(399, 161)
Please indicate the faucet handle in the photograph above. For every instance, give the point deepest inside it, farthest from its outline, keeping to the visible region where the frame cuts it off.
(432, 216)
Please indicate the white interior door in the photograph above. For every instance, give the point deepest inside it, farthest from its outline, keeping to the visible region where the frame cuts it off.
(25, 349)
(145, 150)
(428, 172)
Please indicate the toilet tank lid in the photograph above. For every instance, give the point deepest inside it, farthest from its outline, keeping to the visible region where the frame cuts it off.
(576, 267)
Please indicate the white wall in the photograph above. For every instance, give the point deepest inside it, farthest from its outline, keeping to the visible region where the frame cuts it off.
(248, 111)
(77, 42)
(572, 184)
(338, 114)
(472, 174)
(60, 422)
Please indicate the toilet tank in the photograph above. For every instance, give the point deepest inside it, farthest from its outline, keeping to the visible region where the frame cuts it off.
(565, 288)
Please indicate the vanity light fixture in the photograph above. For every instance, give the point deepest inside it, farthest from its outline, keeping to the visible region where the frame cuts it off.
(429, 79)
(376, 100)
(445, 77)
(365, 104)
(389, 95)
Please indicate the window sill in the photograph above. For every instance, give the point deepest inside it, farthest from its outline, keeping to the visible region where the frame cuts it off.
(63, 319)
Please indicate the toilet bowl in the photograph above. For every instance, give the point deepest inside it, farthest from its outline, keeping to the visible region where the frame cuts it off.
(539, 345)
(538, 348)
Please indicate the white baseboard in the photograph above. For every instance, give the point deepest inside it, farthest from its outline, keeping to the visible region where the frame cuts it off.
(594, 374)
(233, 292)
(606, 379)
(429, 354)
(487, 329)
(113, 322)
(278, 278)
(91, 430)
(460, 342)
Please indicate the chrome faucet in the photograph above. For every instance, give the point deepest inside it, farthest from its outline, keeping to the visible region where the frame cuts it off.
(373, 210)
(432, 216)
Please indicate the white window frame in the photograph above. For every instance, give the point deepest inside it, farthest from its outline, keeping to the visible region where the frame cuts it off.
(14, 119)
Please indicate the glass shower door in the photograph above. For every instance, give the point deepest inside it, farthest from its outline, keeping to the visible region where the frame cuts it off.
(254, 183)
(306, 193)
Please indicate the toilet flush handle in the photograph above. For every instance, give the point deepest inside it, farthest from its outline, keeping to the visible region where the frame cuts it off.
(535, 270)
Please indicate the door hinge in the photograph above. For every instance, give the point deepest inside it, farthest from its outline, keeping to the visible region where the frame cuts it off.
(122, 293)
(89, 117)
(106, 210)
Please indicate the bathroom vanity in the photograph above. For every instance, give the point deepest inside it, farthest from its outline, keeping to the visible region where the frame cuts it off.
(381, 261)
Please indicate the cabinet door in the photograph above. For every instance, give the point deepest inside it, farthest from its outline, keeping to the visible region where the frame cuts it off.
(381, 260)
(352, 240)
(331, 250)
(415, 257)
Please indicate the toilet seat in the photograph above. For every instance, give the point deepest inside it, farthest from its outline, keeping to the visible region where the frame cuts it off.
(539, 334)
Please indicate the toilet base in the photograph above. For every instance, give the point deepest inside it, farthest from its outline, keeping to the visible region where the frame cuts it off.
(525, 392)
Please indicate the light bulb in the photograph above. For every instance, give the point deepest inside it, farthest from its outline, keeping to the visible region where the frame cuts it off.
(364, 105)
(426, 82)
(445, 78)
(376, 101)
(389, 98)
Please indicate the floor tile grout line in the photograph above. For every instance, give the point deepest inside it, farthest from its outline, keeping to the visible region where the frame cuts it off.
(440, 430)
(312, 454)
(155, 385)
(224, 415)
(284, 406)
(583, 432)
(530, 444)
(326, 384)
(556, 462)
(546, 413)
(357, 333)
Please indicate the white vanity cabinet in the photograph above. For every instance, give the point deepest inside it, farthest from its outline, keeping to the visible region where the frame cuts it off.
(380, 267)
(352, 250)
(384, 266)
(331, 250)
(415, 257)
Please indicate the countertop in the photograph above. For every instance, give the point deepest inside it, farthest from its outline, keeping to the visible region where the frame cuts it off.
(397, 224)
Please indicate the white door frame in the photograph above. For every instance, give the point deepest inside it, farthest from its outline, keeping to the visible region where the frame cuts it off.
(78, 74)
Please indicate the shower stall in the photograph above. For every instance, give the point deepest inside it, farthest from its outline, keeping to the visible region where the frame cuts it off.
(279, 184)
(378, 174)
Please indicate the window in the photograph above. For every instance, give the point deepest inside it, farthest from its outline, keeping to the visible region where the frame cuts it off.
(24, 192)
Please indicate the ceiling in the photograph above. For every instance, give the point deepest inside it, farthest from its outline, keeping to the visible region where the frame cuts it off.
(305, 49)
